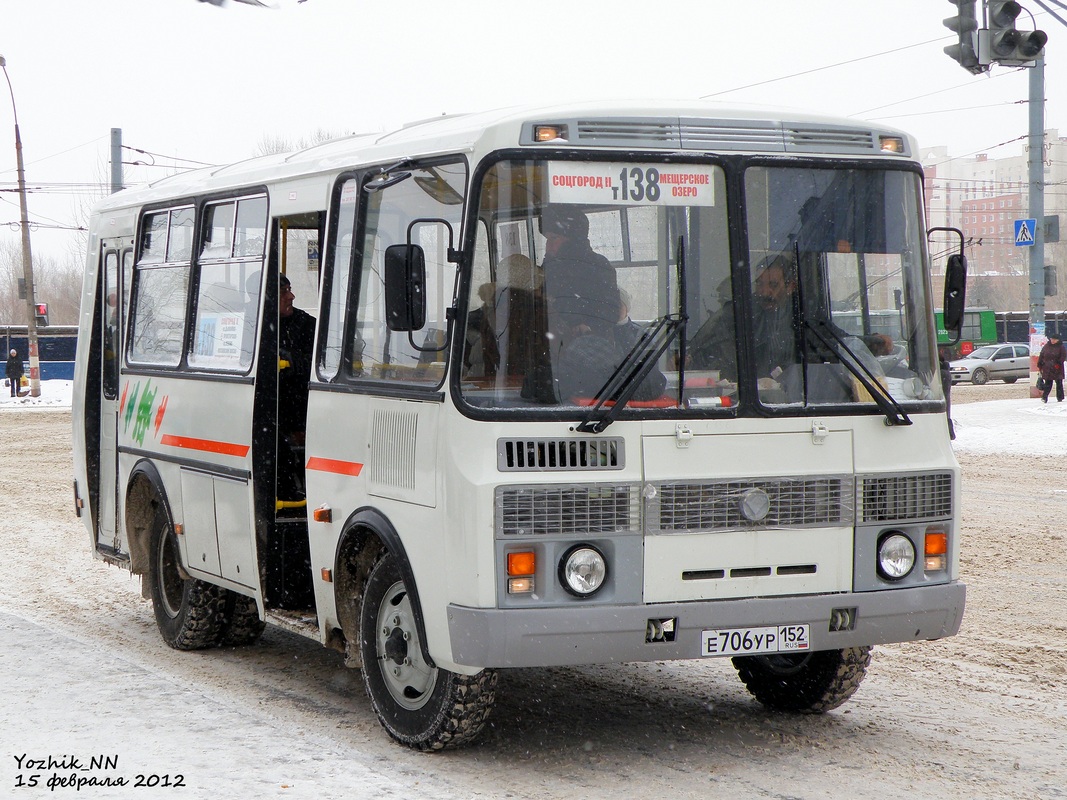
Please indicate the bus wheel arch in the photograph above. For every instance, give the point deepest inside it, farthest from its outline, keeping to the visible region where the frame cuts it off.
(145, 499)
(189, 613)
(367, 534)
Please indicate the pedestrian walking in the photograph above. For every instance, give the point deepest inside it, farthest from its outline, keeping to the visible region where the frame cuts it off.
(1050, 365)
(14, 371)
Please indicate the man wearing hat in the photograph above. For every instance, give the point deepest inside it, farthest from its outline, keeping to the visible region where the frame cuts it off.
(1050, 365)
(14, 371)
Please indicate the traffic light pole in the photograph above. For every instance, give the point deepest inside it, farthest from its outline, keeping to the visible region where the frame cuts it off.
(1037, 212)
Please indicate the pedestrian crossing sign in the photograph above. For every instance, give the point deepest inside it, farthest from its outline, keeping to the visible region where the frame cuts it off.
(1024, 232)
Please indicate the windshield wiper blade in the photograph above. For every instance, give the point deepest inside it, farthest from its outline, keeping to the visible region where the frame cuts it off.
(894, 413)
(627, 377)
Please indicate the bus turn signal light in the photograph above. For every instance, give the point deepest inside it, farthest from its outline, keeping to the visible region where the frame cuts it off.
(524, 563)
(936, 551)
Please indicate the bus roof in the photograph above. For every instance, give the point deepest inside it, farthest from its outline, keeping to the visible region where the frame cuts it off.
(686, 126)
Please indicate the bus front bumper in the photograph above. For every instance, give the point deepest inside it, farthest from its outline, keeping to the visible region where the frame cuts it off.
(590, 634)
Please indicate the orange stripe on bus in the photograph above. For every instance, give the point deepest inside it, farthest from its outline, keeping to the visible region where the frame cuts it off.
(206, 445)
(333, 465)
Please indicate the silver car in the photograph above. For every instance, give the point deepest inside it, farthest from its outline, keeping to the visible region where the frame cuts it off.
(1004, 362)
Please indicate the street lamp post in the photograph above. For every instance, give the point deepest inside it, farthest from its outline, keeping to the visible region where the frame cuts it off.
(27, 257)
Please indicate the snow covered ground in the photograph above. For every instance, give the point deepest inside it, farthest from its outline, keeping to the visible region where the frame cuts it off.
(86, 681)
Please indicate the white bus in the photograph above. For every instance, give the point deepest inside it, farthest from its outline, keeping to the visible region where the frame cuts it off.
(576, 396)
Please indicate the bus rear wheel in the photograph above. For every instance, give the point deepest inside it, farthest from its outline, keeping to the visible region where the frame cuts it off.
(806, 683)
(419, 705)
(189, 612)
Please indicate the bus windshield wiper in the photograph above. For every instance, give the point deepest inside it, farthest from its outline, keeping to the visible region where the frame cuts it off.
(627, 377)
(835, 342)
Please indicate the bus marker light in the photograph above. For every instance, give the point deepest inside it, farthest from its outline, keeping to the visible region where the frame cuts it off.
(179, 529)
(891, 144)
(524, 563)
(546, 133)
(323, 514)
(327, 575)
(520, 585)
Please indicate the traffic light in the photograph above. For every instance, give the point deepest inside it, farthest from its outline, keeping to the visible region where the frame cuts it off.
(1050, 280)
(1006, 44)
(965, 26)
(41, 313)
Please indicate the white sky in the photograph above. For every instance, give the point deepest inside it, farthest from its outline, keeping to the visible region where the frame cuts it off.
(185, 79)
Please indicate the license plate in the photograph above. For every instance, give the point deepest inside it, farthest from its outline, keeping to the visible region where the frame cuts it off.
(753, 641)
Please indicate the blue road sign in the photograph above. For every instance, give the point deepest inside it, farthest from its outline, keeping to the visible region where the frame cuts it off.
(1024, 232)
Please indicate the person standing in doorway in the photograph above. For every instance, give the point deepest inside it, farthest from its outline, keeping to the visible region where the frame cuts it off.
(14, 371)
(1050, 365)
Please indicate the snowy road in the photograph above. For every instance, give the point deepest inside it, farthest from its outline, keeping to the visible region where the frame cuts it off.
(84, 674)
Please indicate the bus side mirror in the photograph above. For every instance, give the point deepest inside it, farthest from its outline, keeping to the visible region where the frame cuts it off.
(405, 287)
(955, 295)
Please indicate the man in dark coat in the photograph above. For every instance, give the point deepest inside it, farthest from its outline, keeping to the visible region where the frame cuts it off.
(582, 297)
(296, 339)
(14, 371)
(1050, 365)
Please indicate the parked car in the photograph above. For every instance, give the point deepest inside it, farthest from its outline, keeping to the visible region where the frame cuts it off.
(1004, 362)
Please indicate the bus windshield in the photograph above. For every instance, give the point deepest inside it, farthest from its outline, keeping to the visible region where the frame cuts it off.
(630, 282)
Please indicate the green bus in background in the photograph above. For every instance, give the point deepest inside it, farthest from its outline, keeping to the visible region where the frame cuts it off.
(979, 327)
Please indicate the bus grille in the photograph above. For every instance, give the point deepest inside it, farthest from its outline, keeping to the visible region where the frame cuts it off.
(539, 455)
(718, 505)
(560, 510)
(906, 497)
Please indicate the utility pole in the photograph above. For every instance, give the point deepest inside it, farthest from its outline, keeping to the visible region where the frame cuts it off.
(116, 160)
(27, 256)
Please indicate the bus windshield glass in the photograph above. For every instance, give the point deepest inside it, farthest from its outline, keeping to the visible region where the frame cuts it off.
(618, 282)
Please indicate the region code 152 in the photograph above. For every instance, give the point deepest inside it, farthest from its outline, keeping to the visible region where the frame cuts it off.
(751, 641)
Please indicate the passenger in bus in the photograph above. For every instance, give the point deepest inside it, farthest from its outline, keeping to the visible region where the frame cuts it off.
(296, 339)
(588, 363)
(580, 293)
(774, 318)
(714, 345)
(479, 351)
(579, 283)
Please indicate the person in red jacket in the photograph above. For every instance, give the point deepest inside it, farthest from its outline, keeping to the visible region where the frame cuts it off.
(1050, 365)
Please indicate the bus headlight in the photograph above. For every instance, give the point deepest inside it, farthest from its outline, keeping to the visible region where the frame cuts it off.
(583, 570)
(896, 556)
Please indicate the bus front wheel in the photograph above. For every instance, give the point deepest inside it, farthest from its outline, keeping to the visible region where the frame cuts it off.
(807, 683)
(189, 612)
(421, 706)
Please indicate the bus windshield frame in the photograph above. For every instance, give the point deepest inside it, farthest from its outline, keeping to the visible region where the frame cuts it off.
(696, 241)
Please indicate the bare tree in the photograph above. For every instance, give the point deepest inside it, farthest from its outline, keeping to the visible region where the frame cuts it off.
(57, 283)
(275, 143)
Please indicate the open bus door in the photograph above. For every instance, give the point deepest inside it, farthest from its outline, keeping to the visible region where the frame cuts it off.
(117, 264)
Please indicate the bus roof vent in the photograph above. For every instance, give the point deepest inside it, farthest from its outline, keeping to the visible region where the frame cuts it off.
(630, 132)
(824, 139)
(551, 455)
(708, 134)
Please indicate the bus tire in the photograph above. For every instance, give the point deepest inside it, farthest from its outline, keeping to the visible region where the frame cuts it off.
(979, 377)
(189, 612)
(806, 683)
(241, 624)
(420, 706)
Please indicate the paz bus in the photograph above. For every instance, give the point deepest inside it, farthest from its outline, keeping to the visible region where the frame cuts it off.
(494, 474)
